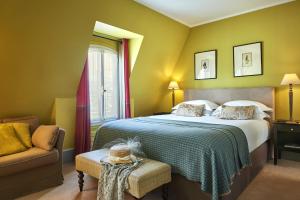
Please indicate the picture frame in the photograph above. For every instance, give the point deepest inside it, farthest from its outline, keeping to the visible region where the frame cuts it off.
(205, 65)
(248, 59)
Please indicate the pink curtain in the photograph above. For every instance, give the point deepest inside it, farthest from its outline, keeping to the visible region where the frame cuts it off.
(83, 124)
(126, 78)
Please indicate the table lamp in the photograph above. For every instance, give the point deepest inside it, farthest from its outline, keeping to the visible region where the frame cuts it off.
(173, 86)
(290, 80)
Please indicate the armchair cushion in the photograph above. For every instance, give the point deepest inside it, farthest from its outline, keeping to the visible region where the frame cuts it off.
(32, 158)
(45, 137)
(9, 142)
(23, 132)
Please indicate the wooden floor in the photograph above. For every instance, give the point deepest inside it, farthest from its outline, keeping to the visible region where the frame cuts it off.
(281, 182)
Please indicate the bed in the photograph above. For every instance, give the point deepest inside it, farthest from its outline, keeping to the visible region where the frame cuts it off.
(224, 159)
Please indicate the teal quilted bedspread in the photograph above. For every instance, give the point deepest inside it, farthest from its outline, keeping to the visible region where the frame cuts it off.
(211, 154)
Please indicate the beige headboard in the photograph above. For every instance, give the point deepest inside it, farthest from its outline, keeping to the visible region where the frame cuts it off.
(265, 95)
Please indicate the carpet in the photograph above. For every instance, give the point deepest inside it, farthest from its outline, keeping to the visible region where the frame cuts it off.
(281, 182)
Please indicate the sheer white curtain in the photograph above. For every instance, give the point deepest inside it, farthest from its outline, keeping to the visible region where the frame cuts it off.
(104, 84)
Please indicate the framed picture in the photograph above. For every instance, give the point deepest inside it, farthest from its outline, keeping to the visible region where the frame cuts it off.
(247, 60)
(205, 65)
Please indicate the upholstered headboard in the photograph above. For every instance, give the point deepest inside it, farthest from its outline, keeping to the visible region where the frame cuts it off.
(265, 95)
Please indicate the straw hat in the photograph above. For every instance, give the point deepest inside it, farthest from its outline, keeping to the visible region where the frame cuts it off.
(119, 154)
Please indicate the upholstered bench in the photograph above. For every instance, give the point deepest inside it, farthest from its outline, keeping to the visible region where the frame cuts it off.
(148, 176)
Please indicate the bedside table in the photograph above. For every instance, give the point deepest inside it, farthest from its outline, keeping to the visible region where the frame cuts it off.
(161, 113)
(286, 137)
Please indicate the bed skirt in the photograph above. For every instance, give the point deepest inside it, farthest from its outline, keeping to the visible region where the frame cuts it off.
(182, 189)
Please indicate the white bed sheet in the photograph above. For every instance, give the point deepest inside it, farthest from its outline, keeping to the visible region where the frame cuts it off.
(256, 131)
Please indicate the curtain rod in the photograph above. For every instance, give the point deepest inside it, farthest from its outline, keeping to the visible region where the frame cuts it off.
(107, 38)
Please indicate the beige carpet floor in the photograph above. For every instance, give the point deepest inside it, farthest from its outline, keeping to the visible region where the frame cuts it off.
(281, 182)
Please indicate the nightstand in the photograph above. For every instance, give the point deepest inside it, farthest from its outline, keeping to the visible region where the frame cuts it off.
(161, 113)
(286, 137)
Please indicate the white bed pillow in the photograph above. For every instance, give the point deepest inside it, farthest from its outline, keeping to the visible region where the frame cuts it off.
(209, 105)
(261, 106)
(258, 113)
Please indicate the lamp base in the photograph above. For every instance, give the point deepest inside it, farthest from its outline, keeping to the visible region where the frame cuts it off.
(173, 98)
(291, 102)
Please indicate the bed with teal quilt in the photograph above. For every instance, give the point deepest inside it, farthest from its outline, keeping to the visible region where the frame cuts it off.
(210, 154)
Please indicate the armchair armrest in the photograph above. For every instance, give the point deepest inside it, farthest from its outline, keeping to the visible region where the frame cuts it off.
(60, 140)
(59, 146)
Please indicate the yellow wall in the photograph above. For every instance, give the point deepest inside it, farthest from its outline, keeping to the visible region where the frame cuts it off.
(64, 115)
(43, 45)
(279, 29)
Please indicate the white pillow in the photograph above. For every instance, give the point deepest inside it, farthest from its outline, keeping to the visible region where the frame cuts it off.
(209, 105)
(258, 113)
(261, 106)
(217, 112)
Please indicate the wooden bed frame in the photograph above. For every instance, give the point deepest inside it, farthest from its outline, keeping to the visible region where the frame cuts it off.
(182, 189)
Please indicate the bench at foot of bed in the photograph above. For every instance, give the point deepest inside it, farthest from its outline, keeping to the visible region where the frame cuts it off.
(148, 176)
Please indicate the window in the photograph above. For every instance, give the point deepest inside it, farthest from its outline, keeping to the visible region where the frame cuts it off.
(103, 84)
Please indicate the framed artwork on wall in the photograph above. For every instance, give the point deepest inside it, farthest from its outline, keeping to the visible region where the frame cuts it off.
(247, 60)
(205, 65)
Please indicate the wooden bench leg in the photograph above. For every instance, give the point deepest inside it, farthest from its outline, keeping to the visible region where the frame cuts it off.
(165, 192)
(80, 180)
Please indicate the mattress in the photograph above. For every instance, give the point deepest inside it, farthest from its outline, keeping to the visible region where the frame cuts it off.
(256, 131)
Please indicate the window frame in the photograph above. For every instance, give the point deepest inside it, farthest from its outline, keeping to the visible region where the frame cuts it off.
(101, 121)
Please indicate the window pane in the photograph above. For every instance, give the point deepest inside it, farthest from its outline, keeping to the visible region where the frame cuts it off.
(111, 94)
(104, 84)
(95, 84)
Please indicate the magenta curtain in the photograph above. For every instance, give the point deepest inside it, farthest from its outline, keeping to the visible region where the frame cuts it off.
(83, 124)
(126, 78)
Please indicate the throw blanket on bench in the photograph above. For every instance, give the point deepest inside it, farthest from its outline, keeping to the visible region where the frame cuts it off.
(113, 180)
(211, 154)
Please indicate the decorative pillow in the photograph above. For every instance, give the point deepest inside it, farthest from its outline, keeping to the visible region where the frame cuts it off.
(237, 112)
(258, 114)
(209, 105)
(189, 110)
(45, 137)
(23, 132)
(259, 105)
(204, 112)
(9, 142)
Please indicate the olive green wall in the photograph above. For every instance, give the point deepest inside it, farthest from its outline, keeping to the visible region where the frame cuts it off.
(43, 45)
(64, 115)
(279, 29)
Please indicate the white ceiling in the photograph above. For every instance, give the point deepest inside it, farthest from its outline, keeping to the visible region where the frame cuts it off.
(196, 12)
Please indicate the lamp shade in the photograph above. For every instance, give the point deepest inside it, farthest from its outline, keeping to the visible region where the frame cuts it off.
(173, 85)
(290, 79)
